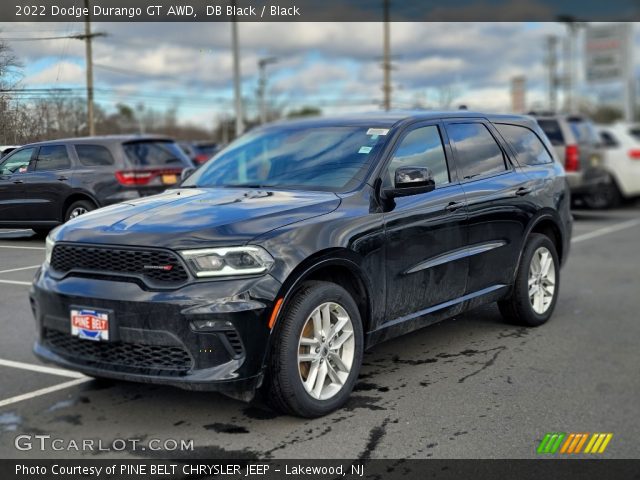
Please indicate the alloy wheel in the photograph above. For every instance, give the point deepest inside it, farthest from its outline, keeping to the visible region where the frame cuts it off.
(326, 351)
(542, 280)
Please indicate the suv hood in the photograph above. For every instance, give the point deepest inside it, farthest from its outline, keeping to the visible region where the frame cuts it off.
(197, 218)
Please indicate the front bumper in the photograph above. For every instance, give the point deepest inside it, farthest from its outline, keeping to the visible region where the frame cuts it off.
(204, 336)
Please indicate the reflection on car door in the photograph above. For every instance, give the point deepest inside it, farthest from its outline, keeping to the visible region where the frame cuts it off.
(47, 184)
(496, 194)
(424, 232)
(13, 170)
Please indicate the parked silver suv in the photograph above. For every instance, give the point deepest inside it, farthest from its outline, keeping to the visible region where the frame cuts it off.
(578, 147)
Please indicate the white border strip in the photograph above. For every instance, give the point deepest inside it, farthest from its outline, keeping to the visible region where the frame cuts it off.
(40, 369)
(606, 230)
(19, 269)
(43, 391)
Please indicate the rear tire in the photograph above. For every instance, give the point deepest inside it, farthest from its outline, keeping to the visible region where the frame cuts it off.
(608, 196)
(535, 291)
(314, 365)
(78, 208)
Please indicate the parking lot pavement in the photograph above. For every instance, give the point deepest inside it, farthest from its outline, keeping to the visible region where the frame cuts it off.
(468, 387)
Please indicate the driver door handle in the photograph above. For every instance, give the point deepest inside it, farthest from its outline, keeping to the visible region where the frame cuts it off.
(453, 206)
(62, 178)
(17, 182)
(522, 191)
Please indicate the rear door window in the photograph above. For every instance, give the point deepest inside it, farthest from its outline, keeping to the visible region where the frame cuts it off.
(52, 157)
(17, 162)
(155, 153)
(477, 153)
(552, 129)
(94, 155)
(528, 147)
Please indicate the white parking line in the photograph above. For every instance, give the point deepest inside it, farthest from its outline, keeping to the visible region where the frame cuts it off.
(14, 231)
(19, 269)
(43, 391)
(606, 230)
(40, 369)
(21, 247)
(16, 282)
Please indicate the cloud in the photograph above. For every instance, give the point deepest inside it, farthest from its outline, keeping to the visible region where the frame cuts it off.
(58, 74)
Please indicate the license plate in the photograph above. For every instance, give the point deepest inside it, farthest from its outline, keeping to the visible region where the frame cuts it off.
(169, 179)
(90, 324)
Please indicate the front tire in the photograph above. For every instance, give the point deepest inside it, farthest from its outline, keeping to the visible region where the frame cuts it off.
(535, 290)
(316, 352)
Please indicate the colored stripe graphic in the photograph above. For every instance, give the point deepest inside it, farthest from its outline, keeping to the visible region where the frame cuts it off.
(598, 443)
(572, 443)
(551, 442)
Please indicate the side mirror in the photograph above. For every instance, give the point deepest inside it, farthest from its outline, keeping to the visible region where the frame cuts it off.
(186, 173)
(411, 181)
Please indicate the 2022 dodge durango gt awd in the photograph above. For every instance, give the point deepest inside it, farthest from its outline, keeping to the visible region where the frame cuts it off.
(278, 262)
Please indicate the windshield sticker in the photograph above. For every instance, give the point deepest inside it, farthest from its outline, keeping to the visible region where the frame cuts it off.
(365, 149)
(377, 131)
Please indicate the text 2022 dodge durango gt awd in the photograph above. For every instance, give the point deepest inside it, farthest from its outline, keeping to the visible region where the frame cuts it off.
(279, 261)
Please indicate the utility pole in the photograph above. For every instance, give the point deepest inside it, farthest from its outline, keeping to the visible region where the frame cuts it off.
(573, 26)
(236, 74)
(552, 66)
(386, 58)
(89, 61)
(262, 86)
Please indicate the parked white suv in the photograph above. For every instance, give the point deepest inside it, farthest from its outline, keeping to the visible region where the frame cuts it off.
(621, 142)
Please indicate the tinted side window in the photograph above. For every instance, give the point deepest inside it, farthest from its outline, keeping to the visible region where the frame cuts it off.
(608, 140)
(478, 153)
(52, 157)
(421, 148)
(552, 129)
(529, 148)
(94, 155)
(17, 162)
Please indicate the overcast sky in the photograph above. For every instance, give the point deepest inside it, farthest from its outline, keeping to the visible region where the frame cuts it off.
(333, 65)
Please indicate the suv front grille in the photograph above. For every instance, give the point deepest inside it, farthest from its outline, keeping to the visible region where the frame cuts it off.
(135, 357)
(156, 267)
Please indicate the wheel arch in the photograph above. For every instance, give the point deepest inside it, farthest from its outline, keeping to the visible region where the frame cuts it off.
(75, 197)
(336, 265)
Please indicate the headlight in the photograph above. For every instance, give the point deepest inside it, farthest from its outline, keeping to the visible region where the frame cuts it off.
(48, 250)
(219, 262)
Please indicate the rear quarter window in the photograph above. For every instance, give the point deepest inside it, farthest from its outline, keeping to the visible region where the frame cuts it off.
(94, 155)
(528, 147)
(155, 153)
(552, 130)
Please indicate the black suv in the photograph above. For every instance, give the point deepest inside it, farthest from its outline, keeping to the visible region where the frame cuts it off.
(45, 184)
(279, 261)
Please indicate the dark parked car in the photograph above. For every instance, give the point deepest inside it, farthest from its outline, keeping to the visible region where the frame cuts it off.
(278, 262)
(45, 184)
(200, 152)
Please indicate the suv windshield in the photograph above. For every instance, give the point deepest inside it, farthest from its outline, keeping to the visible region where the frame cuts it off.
(314, 158)
(154, 153)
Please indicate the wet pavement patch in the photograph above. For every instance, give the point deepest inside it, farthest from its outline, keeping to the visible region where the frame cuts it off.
(225, 428)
